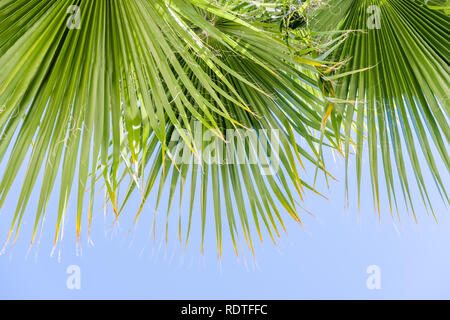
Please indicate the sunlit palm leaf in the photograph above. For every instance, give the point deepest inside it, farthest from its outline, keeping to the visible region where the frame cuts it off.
(402, 94)
(115, 91)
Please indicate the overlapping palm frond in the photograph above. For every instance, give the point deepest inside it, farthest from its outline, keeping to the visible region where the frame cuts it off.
(145, 93)
(400, 97)
(132, 84)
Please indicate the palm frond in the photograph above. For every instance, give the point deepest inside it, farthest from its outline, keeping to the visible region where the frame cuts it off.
(151, 93)
(131, 84)
(401, 95)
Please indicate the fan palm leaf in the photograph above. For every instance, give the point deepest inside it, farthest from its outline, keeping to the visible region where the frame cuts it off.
(149, 93)
(117, 96)
(401, 97)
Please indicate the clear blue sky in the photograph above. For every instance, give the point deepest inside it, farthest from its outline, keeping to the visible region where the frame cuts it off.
(326, 260)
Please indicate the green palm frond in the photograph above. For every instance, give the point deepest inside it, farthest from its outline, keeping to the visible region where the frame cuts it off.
(443, 5)
(150, 94)
(400, 99)
(131, 84)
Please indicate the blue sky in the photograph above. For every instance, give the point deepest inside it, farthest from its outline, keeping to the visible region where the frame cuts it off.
(327, 259)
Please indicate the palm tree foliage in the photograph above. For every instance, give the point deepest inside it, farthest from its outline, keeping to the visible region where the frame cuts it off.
(403, 46)
(116, 97)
